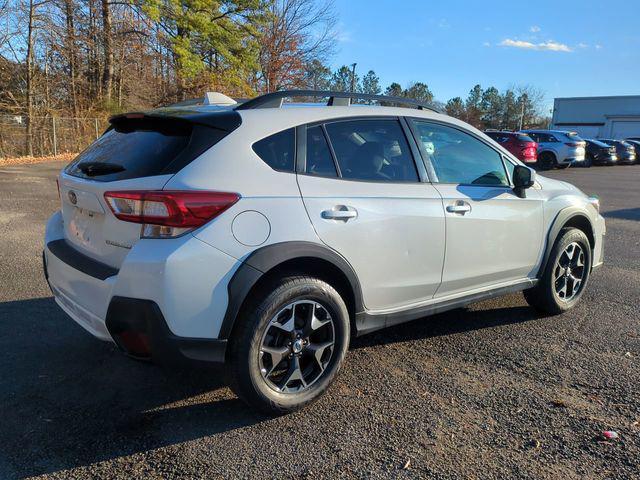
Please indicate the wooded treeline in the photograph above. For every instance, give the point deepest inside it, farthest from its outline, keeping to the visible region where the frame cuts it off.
(91, 58)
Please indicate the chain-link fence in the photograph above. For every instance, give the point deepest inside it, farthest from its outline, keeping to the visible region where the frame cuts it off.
(48, 136)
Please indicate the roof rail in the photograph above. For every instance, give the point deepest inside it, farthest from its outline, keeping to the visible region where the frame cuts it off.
(275, 99)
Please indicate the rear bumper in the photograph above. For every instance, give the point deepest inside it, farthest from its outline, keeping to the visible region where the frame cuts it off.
(171, 295)
(570, 160)
(144, 320)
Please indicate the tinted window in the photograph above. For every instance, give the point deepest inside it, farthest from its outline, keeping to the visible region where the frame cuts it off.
(499, 137)
(319, 159)
(137, 148)
(573, 136)
(460, 158)
(278, 150)
(524, 138)
(542, 137)
(374, 150)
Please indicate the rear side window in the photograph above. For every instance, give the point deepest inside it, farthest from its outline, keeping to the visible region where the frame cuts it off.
(372, 150)
(139, 148)
(319, 158)
(278, 150)
(524, 138)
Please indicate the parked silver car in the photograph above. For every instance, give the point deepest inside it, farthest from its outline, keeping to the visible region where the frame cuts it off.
(557, 148)
(265, 235)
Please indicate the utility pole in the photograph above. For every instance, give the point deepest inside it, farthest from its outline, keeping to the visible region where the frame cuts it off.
(524, 99)
(353, 77)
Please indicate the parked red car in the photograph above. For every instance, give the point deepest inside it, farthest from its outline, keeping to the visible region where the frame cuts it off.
(520, 144)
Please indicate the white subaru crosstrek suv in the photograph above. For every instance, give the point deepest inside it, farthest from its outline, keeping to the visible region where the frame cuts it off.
(266, 236)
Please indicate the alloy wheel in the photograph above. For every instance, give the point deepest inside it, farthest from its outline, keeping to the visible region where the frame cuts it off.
(569, 272)
(297, 346)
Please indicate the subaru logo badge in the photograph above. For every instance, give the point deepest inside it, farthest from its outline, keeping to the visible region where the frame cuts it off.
(72, 197)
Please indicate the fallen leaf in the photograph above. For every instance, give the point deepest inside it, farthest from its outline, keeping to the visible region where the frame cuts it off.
(407, 465)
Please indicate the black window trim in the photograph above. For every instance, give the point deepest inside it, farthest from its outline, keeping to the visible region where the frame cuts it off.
(425, 157)
(331, 151)
(302, 163)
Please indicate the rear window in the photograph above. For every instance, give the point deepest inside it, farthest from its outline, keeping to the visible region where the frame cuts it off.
(142, 148)
(524, 138)
(278, 150)
(573, 136)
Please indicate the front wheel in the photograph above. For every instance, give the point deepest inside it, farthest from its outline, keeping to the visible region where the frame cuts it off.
(588, 161)
(566, 274)
(289, 345)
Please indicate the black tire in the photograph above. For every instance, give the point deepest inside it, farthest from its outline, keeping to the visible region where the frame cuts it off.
(246, 343)
(546, 161)
(544, 296)
(588, 161)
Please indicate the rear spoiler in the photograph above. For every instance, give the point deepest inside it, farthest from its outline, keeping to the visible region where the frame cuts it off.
(220, 118)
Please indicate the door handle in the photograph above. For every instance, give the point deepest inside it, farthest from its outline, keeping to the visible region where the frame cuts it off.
(459, 207)
(340, 212)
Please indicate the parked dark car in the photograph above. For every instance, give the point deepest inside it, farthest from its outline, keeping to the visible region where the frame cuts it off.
(520, 144)
(599, 153)
(636, 143)
(626, 152)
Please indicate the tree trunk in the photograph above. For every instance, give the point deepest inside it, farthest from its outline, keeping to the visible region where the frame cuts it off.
(71, 53)
(107, 37)
(29, 62)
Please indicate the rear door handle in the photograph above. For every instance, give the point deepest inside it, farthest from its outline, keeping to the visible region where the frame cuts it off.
(459, 207)
(340, 212)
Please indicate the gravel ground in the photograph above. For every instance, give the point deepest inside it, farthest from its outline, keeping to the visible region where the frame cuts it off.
(492, 391)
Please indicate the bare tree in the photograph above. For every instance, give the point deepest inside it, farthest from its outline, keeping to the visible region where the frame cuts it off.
(107, 45)
(296, 33)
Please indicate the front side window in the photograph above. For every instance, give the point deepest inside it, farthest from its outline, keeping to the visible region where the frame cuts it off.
(372, 150)
(458, 157)
(278, 150)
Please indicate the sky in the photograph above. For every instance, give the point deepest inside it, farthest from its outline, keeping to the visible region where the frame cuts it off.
(565, 48)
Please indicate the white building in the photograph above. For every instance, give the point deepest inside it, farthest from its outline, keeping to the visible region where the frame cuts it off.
(598, 117)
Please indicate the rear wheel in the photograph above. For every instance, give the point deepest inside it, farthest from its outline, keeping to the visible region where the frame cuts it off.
(546, 160)
(566, 274)
(289, 346)
(588, 161)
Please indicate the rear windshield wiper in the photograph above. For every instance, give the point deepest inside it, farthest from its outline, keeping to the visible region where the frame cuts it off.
(93, 169)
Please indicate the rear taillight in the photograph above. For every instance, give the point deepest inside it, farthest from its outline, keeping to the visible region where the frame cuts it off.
(168, 213)
(530, 152)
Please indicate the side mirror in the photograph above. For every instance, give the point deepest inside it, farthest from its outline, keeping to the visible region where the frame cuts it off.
(523, 178)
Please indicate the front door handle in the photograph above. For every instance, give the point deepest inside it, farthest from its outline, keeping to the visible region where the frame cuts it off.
(340, 212)
(459, 207)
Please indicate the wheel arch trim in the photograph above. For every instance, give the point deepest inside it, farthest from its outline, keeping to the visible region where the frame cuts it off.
(263, 260)
(564, 217)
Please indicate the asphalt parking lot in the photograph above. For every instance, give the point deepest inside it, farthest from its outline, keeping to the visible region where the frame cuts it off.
(492, 391)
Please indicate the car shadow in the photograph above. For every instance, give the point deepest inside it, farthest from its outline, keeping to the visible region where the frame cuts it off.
(70, 400)
(452, 322)
(624, 213)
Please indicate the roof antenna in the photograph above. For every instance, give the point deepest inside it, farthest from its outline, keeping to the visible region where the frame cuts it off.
(217, 98)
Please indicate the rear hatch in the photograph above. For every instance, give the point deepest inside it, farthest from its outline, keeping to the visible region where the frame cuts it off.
(137, 152)
(576, 145)
(528, 148)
